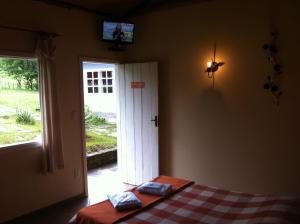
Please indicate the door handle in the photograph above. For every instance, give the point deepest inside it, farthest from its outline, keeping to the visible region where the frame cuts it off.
(155, 120)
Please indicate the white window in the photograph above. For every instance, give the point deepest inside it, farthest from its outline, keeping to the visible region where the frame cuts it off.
(106, 81)
(93, 82)
(100, 81)
(20, 116)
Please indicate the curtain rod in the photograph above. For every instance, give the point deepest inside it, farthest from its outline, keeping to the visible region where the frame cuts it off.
(29, 30)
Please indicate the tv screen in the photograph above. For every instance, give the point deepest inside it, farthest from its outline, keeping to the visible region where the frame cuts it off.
(118, 32)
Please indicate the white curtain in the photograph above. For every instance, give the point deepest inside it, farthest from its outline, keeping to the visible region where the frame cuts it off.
(51, 134)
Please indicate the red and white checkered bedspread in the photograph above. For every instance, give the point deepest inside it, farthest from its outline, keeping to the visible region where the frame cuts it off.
(207, 205)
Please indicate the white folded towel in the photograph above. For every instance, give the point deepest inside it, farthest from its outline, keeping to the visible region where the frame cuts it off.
(155, 188)
(124, 201)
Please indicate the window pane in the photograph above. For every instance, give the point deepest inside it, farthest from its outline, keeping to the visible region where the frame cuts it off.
(90, 82)
(96, 90)
(95, 74)
(109, 74)
(104, 82)
(109, 81)
(110, 89)
(89, 75)
(103, 74)
(104, 90)
(96, 82)
(20, 117)
(90, 90)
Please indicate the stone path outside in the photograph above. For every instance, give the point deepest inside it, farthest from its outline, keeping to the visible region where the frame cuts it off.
(4, 110)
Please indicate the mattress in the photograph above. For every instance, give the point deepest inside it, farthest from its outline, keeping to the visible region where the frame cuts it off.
(209, 205)
(193, 203)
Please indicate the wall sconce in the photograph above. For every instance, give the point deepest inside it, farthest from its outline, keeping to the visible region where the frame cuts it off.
(213, 66)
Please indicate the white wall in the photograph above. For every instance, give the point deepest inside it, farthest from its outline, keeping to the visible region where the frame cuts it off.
(99, 102)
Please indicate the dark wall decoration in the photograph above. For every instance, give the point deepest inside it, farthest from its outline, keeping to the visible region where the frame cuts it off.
(274, 78)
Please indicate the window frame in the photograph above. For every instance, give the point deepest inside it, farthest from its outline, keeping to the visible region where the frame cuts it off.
(100, 79)
(106, 78)
(92, 79)
(28, 144)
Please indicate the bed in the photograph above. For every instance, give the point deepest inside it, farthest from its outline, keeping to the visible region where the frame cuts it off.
(194, 203)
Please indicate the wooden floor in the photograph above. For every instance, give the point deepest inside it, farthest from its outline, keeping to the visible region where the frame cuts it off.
(100, 182)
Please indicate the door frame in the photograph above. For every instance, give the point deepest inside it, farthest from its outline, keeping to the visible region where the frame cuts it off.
(82, 115)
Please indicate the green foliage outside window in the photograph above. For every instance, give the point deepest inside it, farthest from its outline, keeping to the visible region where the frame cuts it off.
(24, 117)
(92, 118)
(24, 71)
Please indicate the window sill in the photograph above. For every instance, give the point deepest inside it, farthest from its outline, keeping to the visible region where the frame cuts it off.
(22, 146)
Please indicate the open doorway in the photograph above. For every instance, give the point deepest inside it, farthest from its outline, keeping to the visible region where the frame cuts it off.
(100, 119)
(121, 114)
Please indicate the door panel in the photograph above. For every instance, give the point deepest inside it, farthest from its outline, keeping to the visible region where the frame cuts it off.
(121, 132)
(137, 114)
(129, 124)
(138, 141)
(154, 110)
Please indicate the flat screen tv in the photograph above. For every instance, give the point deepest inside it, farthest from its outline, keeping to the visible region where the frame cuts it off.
(118, 32)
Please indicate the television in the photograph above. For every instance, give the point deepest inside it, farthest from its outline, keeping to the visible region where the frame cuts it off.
(118, 32)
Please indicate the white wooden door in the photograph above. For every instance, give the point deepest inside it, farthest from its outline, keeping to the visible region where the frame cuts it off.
(137, 100)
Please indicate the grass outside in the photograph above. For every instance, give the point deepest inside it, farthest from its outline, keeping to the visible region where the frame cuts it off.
(10, 131)
(97, 142)
(20, 98)
(99, 132)
(98, 137)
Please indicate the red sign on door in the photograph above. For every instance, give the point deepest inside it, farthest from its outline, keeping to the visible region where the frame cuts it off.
(137, 85)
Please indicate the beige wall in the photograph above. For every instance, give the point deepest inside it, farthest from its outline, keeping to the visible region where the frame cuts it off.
(231, 136)
(22, 187)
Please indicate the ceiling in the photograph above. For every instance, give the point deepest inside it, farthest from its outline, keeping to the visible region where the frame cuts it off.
(110, 7)
(119, 8)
